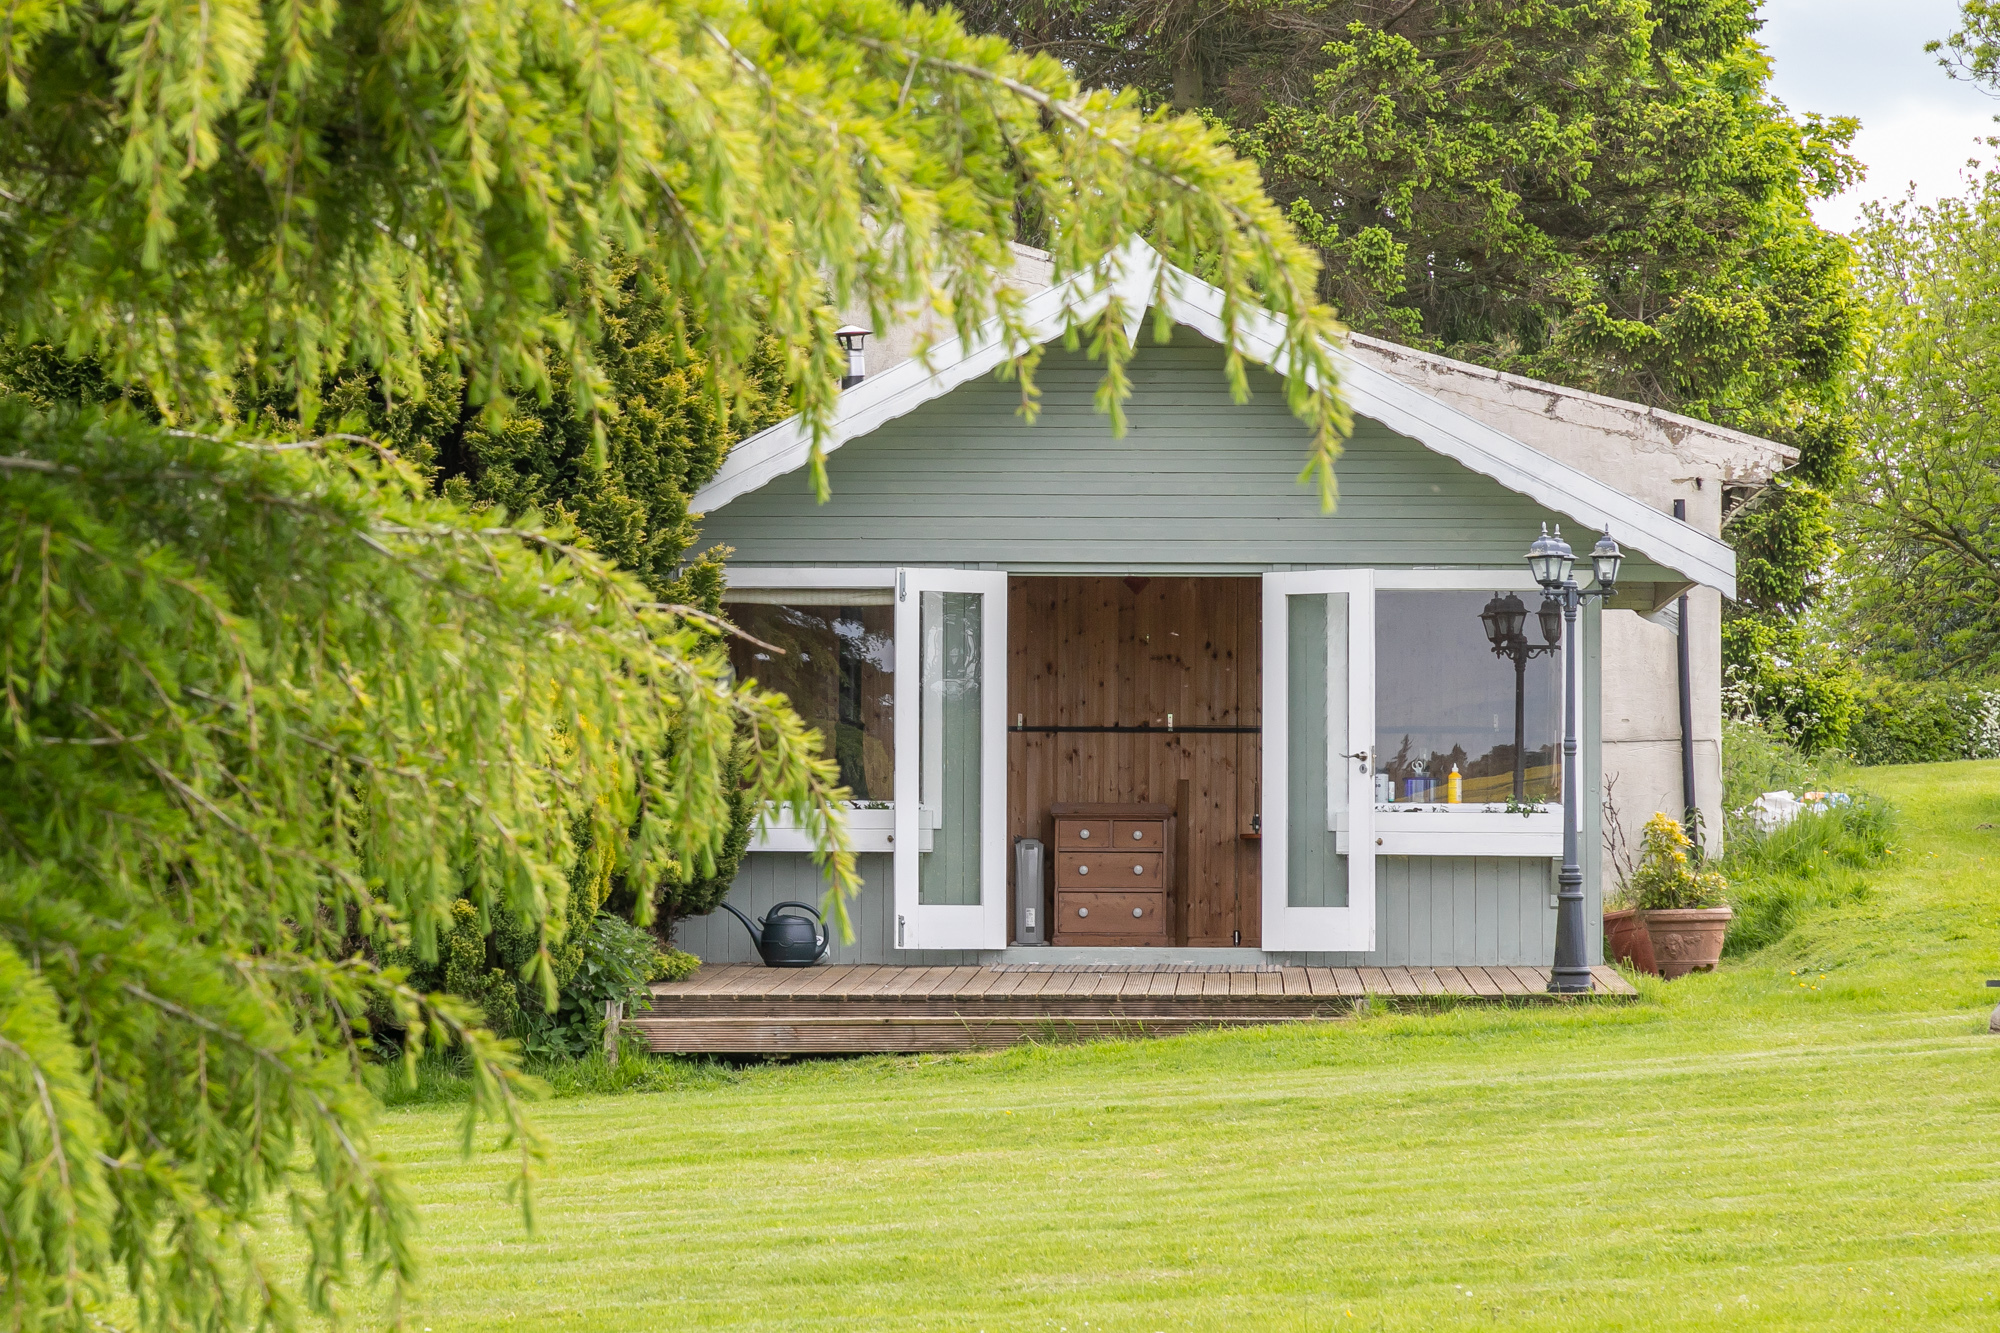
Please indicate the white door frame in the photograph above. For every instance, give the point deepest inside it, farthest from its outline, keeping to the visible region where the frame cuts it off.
(936, 926)
(1349, 929)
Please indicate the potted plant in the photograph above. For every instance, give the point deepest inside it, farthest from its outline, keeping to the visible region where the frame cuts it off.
(1685, 916)
(1625, 937)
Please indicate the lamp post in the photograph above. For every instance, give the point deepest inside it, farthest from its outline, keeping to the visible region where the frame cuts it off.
(1552, 562)
(1504, 618)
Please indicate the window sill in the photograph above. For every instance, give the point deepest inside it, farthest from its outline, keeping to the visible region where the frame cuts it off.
(1462, 830)
(869, 829)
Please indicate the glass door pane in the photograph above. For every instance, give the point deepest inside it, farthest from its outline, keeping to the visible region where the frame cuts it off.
(950, 741)
(1316, 786)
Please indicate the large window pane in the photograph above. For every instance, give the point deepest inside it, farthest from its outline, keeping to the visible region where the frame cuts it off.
(1315, 873)
(1445, 699)
(837, 668)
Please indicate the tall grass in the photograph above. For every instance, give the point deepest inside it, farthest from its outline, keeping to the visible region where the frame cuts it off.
(1816, 861)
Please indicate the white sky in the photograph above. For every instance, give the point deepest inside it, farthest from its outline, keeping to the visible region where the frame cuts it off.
(1866, 58)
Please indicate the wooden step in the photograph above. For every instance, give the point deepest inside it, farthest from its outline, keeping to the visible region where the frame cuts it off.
(888, 1033)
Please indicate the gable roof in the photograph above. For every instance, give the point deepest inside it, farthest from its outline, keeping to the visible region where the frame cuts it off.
(1141, 279)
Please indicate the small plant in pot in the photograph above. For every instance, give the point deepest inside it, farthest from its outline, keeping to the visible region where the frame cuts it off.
(1683, 908)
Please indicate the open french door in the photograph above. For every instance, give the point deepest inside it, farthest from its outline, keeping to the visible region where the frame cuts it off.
(1318, 806)
(951, 759)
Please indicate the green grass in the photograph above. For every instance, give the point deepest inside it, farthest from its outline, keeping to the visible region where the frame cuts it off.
(1806, 1139)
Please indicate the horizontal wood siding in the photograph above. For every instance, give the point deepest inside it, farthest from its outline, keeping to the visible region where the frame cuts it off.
(1198, 484)
(1435, 911)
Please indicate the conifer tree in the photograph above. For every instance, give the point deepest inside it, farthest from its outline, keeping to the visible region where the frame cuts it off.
(269, 706)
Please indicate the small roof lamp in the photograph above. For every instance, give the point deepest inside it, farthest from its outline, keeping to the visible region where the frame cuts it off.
(1550, 560)
(1605, 558)
(850, 337)
(1503, 618)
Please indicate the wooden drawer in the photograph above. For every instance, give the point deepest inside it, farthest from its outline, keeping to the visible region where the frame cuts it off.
(1147, 835)
(1082, 835)
(1089, 914)
(1110, 870)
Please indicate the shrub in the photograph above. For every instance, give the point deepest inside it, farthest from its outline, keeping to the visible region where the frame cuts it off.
(1920, 722)
(617, 961)
(1666, 877)
(1756, 758)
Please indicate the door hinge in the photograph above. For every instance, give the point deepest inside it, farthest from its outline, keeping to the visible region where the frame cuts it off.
(902, 586)
(899, 934)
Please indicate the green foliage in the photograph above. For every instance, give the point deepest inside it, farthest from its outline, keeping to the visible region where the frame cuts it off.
(266, 706)
(368, 187)
(1922, 722)
(616, 961)
(1817, 861)
(1756, 759)
(1920, 564)
(677, 964)
(268, 710)
(1666, 877)
(1775, 673)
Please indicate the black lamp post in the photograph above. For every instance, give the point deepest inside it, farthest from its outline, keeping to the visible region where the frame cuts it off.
(1504, 618)
(1551, 561)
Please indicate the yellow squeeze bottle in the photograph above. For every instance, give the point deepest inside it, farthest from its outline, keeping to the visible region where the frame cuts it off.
(1454, 785)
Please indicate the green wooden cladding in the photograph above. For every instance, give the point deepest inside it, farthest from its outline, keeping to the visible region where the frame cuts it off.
(1197, 485)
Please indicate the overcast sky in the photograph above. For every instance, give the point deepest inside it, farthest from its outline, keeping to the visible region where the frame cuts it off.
(1866, 58)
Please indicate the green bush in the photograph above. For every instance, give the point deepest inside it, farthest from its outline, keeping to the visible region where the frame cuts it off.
(1756, 758)
(617, 962)
(1922, 722)
(1817, 861)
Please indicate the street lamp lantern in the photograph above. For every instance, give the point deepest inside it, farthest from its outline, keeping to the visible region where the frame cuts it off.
(1550, 560)
(1605, 557)
(1503, 619)
(1553, 564)
(1551, 616)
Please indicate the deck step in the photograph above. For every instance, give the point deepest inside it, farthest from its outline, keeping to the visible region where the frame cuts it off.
(895, 1033)
(744, 1010)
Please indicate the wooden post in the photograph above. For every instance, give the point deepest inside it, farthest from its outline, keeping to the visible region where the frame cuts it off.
(614, 1014)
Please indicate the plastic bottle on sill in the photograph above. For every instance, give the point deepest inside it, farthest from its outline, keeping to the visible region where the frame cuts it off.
(1454, 786)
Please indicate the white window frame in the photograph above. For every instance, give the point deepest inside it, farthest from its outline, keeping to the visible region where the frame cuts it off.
(870, 827)
(934, 925)
(1465, 830)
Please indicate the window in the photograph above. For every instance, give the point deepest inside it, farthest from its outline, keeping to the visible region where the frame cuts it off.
(838, 669)
(1445, 700)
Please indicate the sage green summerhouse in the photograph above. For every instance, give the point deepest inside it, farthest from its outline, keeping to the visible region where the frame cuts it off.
(993, 622)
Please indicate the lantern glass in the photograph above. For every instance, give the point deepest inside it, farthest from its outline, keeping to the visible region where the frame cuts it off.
(1551, 616)
(1605, 558)
(1550, 559)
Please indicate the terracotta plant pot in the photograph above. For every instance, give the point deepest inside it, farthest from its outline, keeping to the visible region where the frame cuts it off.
(1687, 939)
(1628, 942)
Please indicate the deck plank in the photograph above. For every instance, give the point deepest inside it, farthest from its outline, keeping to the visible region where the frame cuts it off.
(1535, 979)
(820, 979)
(750, 979)
(1348, 981)
(1373, 981)
(1215, 983)
(1401, 981)
(955, 982)
(1243, 983)
(1295, 982)
(1322, 982)
(1454, 983)
(1270, 983)
(1481, 980)
(1427, 981)
(1504, 978)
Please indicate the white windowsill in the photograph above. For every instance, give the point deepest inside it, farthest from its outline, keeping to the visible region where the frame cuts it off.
(1463, 830)
(868, 830)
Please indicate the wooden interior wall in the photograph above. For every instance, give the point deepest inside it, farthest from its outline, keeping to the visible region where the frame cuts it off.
(1113, 652)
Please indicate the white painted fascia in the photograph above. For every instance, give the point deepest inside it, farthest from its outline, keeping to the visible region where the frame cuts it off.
(1138, 276)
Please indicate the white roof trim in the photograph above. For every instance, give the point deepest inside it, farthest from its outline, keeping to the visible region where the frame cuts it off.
(1138, 276)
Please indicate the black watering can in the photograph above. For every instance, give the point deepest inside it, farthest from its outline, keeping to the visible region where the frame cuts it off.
(788, 941)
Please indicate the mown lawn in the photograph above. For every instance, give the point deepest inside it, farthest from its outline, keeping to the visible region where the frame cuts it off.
(1752, 1149)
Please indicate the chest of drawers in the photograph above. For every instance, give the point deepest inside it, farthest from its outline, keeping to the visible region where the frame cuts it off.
(1113, 874)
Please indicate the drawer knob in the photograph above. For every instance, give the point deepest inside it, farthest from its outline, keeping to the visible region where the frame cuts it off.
(1138, 911)
(1138, 870)
(1083, 833)
(1083, 911)
(1083, 870)
(1138, 835)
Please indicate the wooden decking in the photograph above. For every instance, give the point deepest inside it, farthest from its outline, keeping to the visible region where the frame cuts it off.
(760, 1010)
